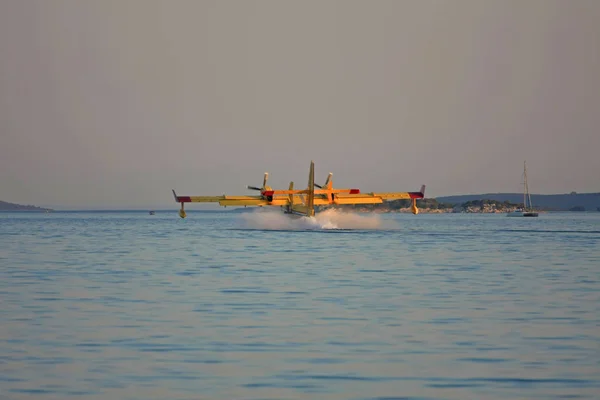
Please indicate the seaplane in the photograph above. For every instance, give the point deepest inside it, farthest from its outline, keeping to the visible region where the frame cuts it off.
(302, 202)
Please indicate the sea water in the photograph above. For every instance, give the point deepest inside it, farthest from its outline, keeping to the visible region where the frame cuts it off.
(228, 305)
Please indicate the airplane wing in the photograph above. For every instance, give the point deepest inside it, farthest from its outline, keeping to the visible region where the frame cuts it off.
(369, 198)
(282, 198)
(235, 201)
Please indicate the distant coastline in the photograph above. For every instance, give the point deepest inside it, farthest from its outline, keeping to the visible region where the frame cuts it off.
(5, 206)
(486, 203)
(548, 202)
(433, 206)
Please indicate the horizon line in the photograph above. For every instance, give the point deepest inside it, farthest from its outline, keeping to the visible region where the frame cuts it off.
(216, 206)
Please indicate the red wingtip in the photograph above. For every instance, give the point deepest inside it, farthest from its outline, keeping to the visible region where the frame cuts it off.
(418, 195)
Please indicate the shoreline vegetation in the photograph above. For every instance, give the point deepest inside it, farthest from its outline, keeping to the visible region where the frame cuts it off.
(5, 206)
(433, 206)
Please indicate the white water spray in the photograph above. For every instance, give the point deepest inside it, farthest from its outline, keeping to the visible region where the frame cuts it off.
(328, 219)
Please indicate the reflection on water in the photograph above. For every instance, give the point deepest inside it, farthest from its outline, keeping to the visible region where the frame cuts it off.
(132, 306)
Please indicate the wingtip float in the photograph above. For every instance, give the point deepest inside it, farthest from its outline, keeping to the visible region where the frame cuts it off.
(302, 202)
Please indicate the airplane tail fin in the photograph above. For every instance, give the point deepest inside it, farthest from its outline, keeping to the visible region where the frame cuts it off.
(291, 197)
(310, 200)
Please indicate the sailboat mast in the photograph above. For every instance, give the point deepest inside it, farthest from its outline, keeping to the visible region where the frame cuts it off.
(524, 187)
(526, 195)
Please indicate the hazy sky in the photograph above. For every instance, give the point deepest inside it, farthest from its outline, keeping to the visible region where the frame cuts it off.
(111, 103)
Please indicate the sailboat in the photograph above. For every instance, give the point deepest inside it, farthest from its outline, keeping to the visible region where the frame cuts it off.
(526, 211)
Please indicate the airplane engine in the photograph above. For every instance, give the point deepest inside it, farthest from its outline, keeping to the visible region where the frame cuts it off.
(265, 191)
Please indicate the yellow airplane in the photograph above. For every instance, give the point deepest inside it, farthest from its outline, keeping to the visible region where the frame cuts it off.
(302, 202)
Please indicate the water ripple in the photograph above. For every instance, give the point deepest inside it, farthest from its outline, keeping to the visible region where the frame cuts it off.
(131, 306)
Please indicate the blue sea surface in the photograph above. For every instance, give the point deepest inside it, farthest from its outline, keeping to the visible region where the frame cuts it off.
(224, 305)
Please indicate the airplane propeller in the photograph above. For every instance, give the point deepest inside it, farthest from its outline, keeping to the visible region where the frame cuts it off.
(266, 177)
(326, 181)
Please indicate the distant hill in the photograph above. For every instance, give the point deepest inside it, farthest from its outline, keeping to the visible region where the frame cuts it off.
(4, 206)
(556, 202)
